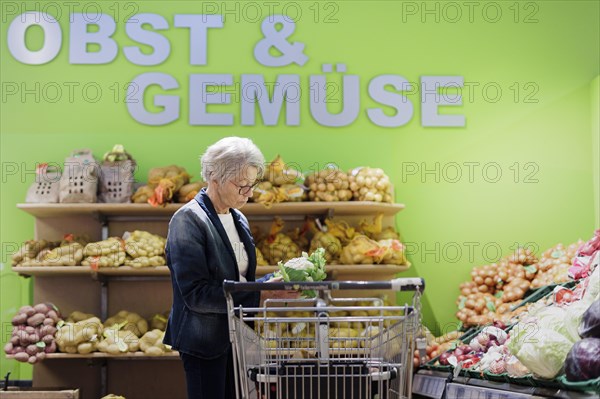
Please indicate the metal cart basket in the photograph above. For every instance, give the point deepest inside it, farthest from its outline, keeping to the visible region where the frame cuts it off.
(324, 347)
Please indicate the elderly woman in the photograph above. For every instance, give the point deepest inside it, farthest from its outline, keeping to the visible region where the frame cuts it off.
(209, 241)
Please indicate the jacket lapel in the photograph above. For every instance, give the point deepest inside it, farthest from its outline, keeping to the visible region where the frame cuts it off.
(206, 204)
(246, 237)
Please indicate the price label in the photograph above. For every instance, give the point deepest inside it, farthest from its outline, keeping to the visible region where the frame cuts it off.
(431, 387)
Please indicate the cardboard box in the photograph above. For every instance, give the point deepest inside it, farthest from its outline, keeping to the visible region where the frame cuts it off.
(39, 393)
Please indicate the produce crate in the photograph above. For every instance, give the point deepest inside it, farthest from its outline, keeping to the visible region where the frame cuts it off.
(589, 385)
(39, 393)
(527, 380)
(465, 338)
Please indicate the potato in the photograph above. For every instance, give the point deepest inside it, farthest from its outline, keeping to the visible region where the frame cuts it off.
(36, 319)
(21, 357)
(41, 308)
(48, 339)
(28, 310)
(20, 318)
(51, 348)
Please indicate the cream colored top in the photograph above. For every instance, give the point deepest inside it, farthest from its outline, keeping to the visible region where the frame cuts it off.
(241, 256)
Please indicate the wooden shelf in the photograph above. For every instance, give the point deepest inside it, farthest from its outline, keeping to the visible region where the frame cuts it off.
(101, 355)
(251, 209)
(134, 271)
(60, 271)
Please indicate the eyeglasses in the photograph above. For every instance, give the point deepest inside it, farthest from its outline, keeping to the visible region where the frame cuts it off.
(244, 190)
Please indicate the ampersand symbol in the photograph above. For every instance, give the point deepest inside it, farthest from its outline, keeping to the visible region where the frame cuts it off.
(290, 53)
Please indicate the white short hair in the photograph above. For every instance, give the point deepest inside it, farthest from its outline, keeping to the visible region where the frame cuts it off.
(228, 157)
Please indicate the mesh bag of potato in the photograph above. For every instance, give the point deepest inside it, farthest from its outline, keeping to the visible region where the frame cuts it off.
(278, 246)
(329, 184)
(105, 253)
(144, 249)
(370, 184)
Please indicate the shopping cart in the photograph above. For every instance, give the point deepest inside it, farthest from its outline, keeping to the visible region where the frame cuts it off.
(324, 347)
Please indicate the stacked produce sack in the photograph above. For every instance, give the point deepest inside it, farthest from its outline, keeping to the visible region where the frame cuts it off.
(144, 249)
(105, 253)
(136, 249)
(279, 185)
(370, 184)
(67, 252)
(39, 330)
(33, 333)
(165, 185)
(329, 184)
(369, 243)
(278, 246)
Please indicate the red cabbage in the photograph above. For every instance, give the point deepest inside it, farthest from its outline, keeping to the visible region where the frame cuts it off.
(583, 360)
(590, 323)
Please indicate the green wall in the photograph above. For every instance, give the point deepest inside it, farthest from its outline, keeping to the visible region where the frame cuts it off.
(536, 133)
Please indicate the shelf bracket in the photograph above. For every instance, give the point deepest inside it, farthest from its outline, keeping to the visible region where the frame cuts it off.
(330, 213)
(104, 226)
(103, 298)
(103, 379)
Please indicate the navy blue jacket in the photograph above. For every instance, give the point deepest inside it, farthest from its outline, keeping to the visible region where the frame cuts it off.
(200, 256)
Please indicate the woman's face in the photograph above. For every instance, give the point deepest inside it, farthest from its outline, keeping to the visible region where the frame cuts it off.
(234, 192)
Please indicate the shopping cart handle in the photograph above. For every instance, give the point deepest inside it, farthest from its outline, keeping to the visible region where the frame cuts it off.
(398, 284)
